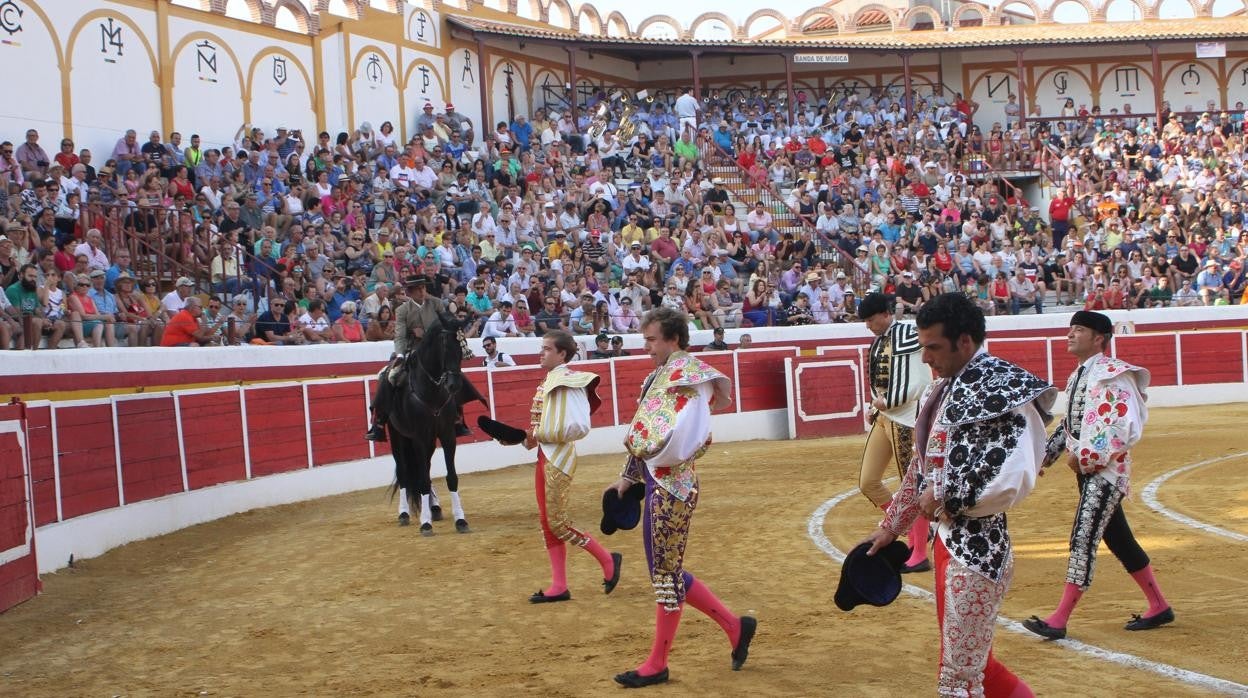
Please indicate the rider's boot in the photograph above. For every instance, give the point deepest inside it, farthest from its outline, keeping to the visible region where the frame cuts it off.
(377, 430)
(461, 428)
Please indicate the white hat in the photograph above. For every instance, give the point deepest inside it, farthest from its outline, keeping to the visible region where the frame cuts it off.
(183, 281)
(717, 180)
(840, 275)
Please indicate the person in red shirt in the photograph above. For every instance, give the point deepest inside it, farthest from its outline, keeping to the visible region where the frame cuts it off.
(67, 158)
(817, 145)
(183, 329)
(1059, 216)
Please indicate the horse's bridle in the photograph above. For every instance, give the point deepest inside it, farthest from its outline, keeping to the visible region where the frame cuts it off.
(442, 383)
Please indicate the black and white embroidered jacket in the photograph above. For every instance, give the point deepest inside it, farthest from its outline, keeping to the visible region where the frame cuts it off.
(979, 442)
(897, 372)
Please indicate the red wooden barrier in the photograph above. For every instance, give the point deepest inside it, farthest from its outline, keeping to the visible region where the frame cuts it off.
(1212, 357)
(151, 465)
(19, 578)
(88, 461)
(761, 378)
(1028, 353)
(42, 463)
(1153, 352)
(825, 396)
(276, 429)
(337, 422)
(513, 394)
(212, 429)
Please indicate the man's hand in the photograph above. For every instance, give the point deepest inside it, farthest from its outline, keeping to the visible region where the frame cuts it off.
(1072, 461)
(621, 486)
(879, 403)
(878, 539)
(932, 509)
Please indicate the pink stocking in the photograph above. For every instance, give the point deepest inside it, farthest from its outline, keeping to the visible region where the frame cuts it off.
(700, 597)
(600, 554)
(558, 569)
(1070, 597)
(1152, 592)
(665, 624)
(918, 541)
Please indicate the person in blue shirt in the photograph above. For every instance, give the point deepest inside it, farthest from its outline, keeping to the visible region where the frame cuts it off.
(522, 132)
(723, 137)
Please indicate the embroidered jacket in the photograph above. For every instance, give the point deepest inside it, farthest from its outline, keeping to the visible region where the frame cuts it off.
(1106, 420)
(898, 374)
(979, 442)
(672, 427)
(560, 414)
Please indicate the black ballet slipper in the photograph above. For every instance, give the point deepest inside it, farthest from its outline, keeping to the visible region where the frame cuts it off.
(1043, 629)
(608, 585)
(541, 597)
(631, 679)
(742, 651)
(1141, 623)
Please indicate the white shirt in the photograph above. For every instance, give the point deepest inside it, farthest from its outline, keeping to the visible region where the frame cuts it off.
(172, 302)
(500, 326)
(498, 360)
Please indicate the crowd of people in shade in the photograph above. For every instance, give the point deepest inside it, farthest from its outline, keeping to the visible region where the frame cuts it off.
(546, 222)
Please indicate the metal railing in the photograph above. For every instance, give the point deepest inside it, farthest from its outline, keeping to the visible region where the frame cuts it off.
(159, 239)
(828, 252)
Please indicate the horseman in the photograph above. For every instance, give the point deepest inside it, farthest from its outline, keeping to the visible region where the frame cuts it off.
(412, 319)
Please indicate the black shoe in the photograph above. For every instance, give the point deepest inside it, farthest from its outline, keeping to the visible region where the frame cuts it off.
(541, 597)
(376, 432)
(925, 566)
(608, 585)
(1045, 630)
(1141, 623)
(462, 429)
(631, 679)
(742, 651)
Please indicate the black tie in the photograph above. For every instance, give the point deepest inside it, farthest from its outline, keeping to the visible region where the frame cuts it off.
(1070, 399)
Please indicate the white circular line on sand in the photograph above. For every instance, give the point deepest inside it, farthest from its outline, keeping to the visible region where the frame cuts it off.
(814, 530)
(1150, 498)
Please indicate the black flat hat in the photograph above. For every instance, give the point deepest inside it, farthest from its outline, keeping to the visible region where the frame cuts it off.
(505, 434)
(874, 580)
(622, 513)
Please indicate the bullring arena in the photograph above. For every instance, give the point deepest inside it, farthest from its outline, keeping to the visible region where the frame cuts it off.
(329, 596)
(210, 521)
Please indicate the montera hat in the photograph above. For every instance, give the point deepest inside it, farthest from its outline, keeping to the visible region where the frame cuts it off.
(505, 434)
(874, 579)
(622, 513)
(1097, 322)
(874, 303)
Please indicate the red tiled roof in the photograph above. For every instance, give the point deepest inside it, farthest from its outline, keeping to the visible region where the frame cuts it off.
(1047, 34)
(870, 18)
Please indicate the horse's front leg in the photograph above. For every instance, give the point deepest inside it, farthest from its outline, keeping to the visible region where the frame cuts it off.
(452, 484)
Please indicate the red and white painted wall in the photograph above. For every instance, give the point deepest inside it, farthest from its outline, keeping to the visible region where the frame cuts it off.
(82, 476)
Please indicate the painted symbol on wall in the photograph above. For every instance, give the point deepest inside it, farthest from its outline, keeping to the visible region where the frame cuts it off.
(1004, 82)
(372, 69)
(421, 20)
(1061, 81)
(1243, 77)
(465, 75)
(424, 79)
(10, 17)
(279, 70)
(1126, 80)
(206, 60)
(110, 37)
(1190, 75)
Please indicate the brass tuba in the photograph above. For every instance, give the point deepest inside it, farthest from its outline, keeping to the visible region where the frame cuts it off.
(602, 117)
(627, 128)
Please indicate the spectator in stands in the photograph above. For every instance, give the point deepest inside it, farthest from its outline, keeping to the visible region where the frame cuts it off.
(184, 328)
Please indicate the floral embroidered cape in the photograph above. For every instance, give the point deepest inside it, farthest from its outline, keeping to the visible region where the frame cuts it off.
(672, 427)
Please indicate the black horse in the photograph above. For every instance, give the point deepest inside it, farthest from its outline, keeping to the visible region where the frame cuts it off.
(425, 413)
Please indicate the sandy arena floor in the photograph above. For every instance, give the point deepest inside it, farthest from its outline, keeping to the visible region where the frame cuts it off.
(330, 597)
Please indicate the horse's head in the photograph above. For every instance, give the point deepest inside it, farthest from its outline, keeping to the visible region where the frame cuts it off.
(440, 350)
